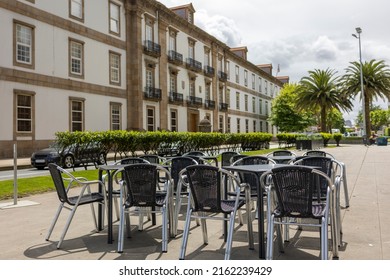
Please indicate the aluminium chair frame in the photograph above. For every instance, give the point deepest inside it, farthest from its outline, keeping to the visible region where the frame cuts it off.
(84, 197)
(196, 210)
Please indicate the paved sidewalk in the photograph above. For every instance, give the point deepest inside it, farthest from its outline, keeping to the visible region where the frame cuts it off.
(366, 225)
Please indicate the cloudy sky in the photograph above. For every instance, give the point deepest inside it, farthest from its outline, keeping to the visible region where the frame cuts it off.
(299, 35)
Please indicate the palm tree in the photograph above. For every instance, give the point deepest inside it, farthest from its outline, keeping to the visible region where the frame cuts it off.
(376, 84)
(320, 92)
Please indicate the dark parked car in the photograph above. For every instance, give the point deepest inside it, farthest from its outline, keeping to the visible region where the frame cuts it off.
(74, 155)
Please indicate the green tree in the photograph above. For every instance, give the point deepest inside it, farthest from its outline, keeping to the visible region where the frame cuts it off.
(320, 93)
(334, 119)
(284, 113)
(376, 84)
(379, 118)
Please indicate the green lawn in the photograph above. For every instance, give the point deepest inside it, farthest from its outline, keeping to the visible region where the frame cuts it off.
(38, 184)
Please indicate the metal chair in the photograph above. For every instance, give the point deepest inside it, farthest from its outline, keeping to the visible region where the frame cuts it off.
(139, 190)
(282, 153)
(317, 153)
(334, 170)
(207, 198)
(83, 197)
(226, 156)
(175, 165)
(295, 188)
(237, 157)
(153, 158)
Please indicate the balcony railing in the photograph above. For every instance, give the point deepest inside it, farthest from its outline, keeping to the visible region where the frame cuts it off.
(175, 57)
(222, 76)
(194, 101)
(209, 71)
(194, 65)
(209, 104)
(223, 106)
(152, 93)
(175, 97)
(152, 48)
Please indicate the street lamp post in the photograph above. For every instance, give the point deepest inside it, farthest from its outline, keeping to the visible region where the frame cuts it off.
(359, 31)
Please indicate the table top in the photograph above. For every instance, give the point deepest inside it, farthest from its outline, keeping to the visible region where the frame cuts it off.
(254, 167)
(282, 157)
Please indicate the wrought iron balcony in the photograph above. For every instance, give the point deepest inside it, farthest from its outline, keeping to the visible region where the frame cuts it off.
(175, 57)
(152, 93)
(209, 71)
(209, 104)
(194, 101)
(223, 106)
(152, 48)
(194, 65)
(175, 97)
(222, 76)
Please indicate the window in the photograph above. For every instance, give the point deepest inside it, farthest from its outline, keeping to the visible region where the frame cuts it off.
(150, 118)
(228, 97)
(149, 77)
(266, 87)
(207, 91)
(76, 9)
(191, 49)
(192, 88)
(172, 82)
(207, 57)
(114, 15)
(76, 58)
(228, 69)
(220, 124)
(115, 68)
(246, 102)
(254, 126)
(253, 81)
(261, 126)
(76, 115)
(237, 100)
(266, 127)
(238, 125)
(260, 84)
(173, 120)
(172, 40)
(246, 125)
(115, 109)
(149, 23)
(24, 45)
(237, 74)
(24, 101)
(246, 78)
(253, 104)
(260, 106)
(266, 108)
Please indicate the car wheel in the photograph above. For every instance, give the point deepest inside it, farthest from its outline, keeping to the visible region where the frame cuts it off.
(102, 159)
(40, 167)
(68, 161)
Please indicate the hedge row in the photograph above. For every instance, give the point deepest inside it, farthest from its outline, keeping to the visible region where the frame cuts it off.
(130, 142)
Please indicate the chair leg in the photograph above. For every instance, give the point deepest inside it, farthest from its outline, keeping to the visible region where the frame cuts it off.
(53, 223)
(185, 235)
(270, 238)
(164, 230)
(230, 236)
(344, 180)
(121, 230)
(69, 220)
(324, 239)
(204, 231)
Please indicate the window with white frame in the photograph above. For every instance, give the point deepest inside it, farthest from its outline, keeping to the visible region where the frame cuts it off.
(254, 104)
(76, 114)
(24, 45)
(207, 91)
(149, 78)
(149, 23)
(173, 120)
(172, 40)
(237, 74)
(116, 110)
(237, 100)
(228, 97)
(114, 14)
(76, 9)
(260, 84)
(76, 58)
(24, 111)
(246, 125)
(261, 126)
(266, 108)
(253, 81)
(228, 69)
(220, 124)
(172, 82)
(246, 102)
(254, 126)
(150, 119)
(245, 77)
(192, 88)
(228, 125)
(115, 68)
(266, 87)
(191, 49)
(260, 106)
(238, 125)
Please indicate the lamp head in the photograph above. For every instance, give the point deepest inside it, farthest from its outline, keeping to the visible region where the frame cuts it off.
(354, 35)
(358, 30)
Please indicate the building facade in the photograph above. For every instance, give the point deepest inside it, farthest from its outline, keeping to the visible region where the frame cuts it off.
(72, 65)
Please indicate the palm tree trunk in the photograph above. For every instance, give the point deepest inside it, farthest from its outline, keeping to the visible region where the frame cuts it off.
(367, 102)
(323, 119)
